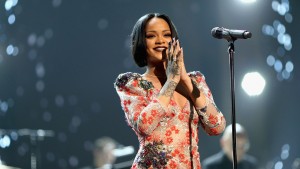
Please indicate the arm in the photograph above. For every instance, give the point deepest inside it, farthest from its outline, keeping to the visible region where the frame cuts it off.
(195, 87)
(212, 119)
(143, 112)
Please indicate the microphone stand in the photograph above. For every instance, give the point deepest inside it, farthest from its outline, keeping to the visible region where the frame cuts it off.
(231, 63)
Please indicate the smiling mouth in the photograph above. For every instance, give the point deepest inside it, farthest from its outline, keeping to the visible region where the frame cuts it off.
(159, 49)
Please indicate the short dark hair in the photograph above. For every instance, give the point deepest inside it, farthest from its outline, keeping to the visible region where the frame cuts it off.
(138, 35)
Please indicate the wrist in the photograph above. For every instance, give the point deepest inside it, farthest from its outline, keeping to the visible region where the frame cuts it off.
(185, 78)
(187, 84)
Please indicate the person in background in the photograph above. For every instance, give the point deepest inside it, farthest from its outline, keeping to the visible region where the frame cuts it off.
(103, 153)
(224, 159)
(166, 105)
(296, 164)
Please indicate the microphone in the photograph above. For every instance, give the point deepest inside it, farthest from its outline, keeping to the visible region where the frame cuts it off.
(230, 34)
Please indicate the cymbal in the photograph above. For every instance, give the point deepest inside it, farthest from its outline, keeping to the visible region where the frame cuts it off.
(7, 167)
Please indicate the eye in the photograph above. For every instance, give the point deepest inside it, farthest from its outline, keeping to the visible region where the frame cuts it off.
(150, 36)
(168, 35)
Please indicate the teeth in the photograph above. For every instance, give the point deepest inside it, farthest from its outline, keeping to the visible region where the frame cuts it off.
(159, 49)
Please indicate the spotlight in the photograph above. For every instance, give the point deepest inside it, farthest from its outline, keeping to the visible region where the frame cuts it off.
(253, 83)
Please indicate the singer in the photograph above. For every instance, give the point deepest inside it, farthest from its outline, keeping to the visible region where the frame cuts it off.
(165, 106)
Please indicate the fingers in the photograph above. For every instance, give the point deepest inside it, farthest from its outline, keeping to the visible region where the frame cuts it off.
(170, 50)
(174, 50)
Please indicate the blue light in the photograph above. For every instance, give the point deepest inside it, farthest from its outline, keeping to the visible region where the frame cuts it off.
(288, 17)
(278, 66)
(10, 49)
(40, 86)
(276, 23)
(289, 66)
(5, 142)
(8, 4)
(32, 38)
(11, 19)
(285, 74)
(3, 106)
(288, 46)
(278, 165)
(40, 70)
(270, 60)
(285, 151)
(268, 30)
(282, 9)
(275, 5)
(280, 28)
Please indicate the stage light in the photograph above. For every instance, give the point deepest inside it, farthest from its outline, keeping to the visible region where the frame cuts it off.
(4, 142)
(278, 30)
(10, 3)
(285, 151)
(10, 49)
(278, 66)
(289, 66)
(3, 106)
(271, 60)
(253, 83)
(11, 19)
(278, 165)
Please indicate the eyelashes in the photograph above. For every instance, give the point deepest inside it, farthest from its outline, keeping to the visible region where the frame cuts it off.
(152, 36)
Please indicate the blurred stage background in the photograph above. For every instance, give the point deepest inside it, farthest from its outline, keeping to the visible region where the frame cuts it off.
(59, 59)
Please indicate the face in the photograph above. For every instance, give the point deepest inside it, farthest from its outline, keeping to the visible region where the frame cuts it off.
(241, 147)
(106, 155)
(158, 34)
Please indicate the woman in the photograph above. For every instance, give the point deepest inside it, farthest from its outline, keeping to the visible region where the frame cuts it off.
(165, 105)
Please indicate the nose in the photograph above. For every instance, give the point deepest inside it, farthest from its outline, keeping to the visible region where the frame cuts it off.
(160, 40)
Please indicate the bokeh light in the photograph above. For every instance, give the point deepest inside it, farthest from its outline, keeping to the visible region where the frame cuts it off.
(253, 83)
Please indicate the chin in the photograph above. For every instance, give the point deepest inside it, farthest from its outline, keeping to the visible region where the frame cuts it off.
(157, 58)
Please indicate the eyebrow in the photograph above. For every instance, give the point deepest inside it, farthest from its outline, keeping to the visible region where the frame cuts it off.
(156, 31)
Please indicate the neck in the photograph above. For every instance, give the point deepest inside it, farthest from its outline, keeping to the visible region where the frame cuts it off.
(156, 71)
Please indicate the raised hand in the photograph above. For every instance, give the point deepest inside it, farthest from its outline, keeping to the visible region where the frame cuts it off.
(173, 67)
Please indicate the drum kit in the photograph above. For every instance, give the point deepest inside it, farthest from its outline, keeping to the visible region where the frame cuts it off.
(35, 136)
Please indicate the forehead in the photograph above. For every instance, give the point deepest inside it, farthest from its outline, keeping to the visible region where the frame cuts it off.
(157, 24)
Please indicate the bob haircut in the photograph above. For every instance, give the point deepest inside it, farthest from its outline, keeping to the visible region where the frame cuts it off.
(138, 36)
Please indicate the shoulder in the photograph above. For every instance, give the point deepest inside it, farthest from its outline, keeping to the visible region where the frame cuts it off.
(213, 160)
(197, 76)
(132, 82)
(124, 78)
(251, 159)
(87, 167)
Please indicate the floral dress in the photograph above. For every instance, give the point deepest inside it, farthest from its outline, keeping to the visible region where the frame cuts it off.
(168, 136)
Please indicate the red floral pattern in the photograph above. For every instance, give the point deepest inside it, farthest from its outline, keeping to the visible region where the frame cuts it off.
(168, 135)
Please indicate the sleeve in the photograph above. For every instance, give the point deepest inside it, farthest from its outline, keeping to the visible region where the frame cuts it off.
(143, 112)
(212, 119)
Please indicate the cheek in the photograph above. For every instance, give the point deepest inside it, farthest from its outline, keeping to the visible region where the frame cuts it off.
(149, 43)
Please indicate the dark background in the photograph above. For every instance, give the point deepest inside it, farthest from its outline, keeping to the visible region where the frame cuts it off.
(69, 52)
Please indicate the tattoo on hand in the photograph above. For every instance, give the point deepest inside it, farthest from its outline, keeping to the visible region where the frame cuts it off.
(169, 89)
(175, 70)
